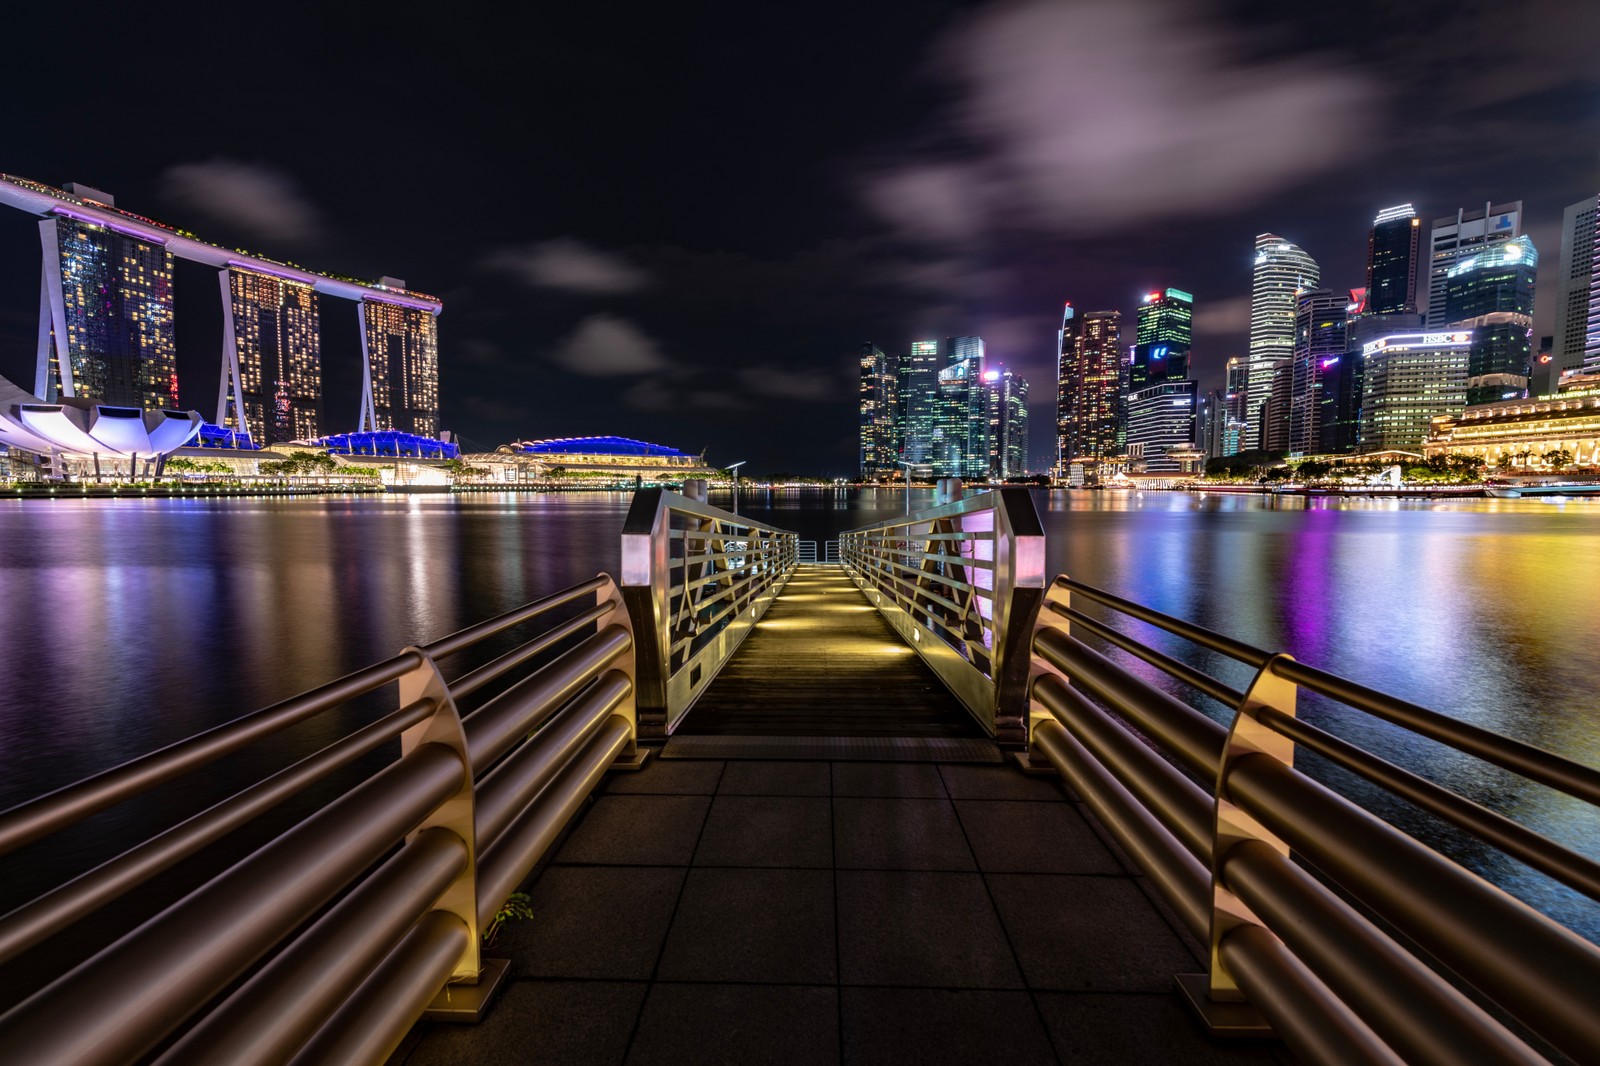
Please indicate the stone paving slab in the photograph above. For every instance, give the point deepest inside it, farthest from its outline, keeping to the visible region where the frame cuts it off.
(838, 912)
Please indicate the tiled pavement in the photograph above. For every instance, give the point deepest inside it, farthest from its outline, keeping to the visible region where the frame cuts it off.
(705, 912)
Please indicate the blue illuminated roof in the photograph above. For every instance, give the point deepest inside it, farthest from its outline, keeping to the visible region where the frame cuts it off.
(600, 446)
(213, 436)
(389, 442)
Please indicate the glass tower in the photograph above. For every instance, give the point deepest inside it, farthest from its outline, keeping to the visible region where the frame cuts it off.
(1166, 318)
(880, 448)
(1089, 377)
(401, 390)
(1282, 269)
(1580, 270)
(1491, 293)
(1457, 236)
(111, 319)
(964, 410)
(272, 383)
(1319, 345)
(1392, 250)
(919, 398)
(1008, 423)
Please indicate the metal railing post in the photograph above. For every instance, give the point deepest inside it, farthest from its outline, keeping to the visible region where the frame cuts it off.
(644, 589)
(1018, 591)
(610, 594)
(458, 813)
(1221, 999)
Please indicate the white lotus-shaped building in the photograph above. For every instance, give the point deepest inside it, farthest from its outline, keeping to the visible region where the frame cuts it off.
(86, 428)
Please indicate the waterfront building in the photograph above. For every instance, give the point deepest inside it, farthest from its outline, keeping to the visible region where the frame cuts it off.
(106, 330)
(919, 399)
(1521, 432)
(400, 354)
(963, 407)
(1273, 415)
(1211, 423)
(1393, 248)
(1408, 379)
(271, 383)
(87, 433)
(1491, 293)
(1160, 418)
(594, 458)
(1088, 374)
(1282, 269)
(1166, 317)
(1454, 237)
(879, 406)
(1008, 423)
(1319, 344)
(1236, 393)
(1579, 276)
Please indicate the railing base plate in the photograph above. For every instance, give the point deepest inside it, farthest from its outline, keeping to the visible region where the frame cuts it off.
(1240, 1021)
(467, 1004)
(1036, 769)
(631, 762)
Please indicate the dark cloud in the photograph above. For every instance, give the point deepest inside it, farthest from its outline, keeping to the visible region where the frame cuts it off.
(604, 345)
(259, 200)
(570, 266)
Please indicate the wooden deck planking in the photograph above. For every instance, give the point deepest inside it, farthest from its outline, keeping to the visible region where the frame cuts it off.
(823, 662)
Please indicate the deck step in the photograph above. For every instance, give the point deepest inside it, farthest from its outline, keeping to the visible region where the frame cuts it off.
(856, 749)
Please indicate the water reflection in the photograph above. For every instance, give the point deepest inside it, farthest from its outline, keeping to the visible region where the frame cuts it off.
(131, 624)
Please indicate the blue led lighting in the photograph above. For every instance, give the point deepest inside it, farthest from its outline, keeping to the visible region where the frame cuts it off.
(600, 446)
(214, 436)
(388, 442)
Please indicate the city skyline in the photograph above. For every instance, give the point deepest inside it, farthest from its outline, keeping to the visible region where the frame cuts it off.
(685, 307)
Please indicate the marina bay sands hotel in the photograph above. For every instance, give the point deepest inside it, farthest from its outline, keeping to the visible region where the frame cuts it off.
(107, 329)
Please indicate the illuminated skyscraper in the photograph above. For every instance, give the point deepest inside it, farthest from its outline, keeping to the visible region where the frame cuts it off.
(880, 447)
(106, 321)
(919, 398)
(1580, 273)
(1393, 248)
(1160, 417)
(1459, 235)
(401, 385)
(1088, 375)
(272, 358)
(1491, 293)
(1407, 379)
(1166, 318)
(963, 448)
(1235, 397)
(1282, 269)
(1008, 423)
(1319, 345)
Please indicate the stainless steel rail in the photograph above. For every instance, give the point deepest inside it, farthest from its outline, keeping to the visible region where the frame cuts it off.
(1293, 885)
(696, 579)
(960, 583)
(397, 875)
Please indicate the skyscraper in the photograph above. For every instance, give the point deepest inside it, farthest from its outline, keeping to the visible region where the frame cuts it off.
(1580, 269)
(1281, 270)
(1319, 342)
(1407, 379)
(1008, 423)
(1459, 235)
(1160, 418)
(1086, 401)
(106, 333)
(271, 383)
(1392, 250)
(880, 451)
(963, 410)
(400, 389)
(1166, 318)
(1491, 293)
(1236, 394)
(919, 398)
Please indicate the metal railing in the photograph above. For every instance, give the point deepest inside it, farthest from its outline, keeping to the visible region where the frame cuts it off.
(960, 583)
(397, 876)
(807, 552)
(1217, 817)
(696, 579)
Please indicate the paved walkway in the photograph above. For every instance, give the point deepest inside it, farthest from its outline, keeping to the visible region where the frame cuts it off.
(707, 912)
(823, 662)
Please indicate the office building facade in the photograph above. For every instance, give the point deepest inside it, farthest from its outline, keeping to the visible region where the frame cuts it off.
(1491, 293)
(1394, 246)
(1455, 237)
(271, 384)
(919, 399)
(878, 397)
(1088, 376)
(963, 409)
(1008, 423)
(1282, 269)
(106, 328)
(1319, 345)
(1408, 380)
(1166, 317)
(400, 349)
(1580, 273)
(1161, 417)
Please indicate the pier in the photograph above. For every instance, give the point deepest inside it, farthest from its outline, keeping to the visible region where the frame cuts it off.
(925, 803)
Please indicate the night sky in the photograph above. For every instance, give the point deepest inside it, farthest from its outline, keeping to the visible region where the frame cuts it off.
(679, 222)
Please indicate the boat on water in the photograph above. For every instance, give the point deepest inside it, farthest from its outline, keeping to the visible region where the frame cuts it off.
(1517, 488)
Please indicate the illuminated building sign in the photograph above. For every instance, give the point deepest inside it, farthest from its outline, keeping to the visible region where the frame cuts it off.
(1416, 340)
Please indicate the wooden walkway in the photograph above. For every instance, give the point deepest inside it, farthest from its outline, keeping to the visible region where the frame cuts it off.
(822, 662)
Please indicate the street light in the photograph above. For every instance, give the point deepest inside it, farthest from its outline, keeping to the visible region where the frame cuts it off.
(908, 467)
(734, 470)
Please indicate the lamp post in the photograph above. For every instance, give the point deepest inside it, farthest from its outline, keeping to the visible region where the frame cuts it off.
(734, 470)
(908, 467)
